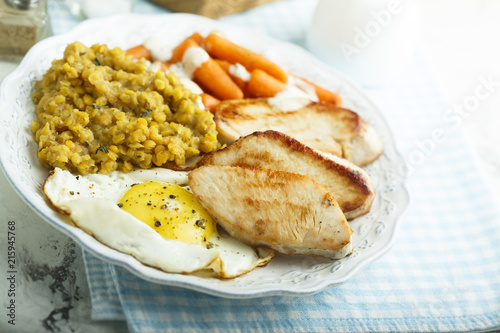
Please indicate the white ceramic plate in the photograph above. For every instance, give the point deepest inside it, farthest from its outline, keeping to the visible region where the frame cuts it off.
(286, 275)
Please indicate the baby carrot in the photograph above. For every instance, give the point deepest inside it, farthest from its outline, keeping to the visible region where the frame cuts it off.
(325, 95)
(179, 50)
(212, 76)
(139, 51)
(209, 74)
(221, 48)
(197, 37)
(223, 64)
(209, 101)
(262, 84)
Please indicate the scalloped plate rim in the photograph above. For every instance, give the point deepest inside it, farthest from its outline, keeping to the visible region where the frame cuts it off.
(137, 268)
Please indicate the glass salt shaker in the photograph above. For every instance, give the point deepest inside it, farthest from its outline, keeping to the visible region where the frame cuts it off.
(22, 24)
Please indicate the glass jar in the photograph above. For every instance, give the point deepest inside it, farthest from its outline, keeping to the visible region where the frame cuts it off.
(22, 24)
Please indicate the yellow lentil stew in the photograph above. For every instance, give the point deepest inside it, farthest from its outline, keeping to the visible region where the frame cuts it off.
(99, 110)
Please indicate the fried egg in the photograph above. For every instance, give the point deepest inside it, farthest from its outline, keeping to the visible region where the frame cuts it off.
(153, 216)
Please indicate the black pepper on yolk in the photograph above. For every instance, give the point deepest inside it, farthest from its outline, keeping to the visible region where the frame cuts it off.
(171, 210)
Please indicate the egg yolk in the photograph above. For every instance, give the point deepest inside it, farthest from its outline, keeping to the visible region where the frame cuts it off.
(171, 210)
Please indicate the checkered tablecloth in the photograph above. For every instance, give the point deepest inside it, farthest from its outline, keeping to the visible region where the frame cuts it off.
(443, 273)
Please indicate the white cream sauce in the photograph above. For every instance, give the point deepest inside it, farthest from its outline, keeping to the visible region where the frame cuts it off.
(179, 70)
(154, 66)
(297, 88)
(193, 58)
(296, 95)
(239, 71)
(159, 51)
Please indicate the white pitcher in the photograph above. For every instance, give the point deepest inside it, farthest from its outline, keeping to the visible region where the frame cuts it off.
(370, 41)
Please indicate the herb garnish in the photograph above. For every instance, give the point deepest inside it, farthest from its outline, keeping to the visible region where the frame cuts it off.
(103, 149)
(97, 62)
(95, 106)
(148, 111)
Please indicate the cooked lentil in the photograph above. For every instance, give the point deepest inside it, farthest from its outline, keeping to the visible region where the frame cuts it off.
(98, 110)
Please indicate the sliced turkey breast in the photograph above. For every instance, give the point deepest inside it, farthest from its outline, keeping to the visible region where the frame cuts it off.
(349, 184)
(321, 126)
(288, 212)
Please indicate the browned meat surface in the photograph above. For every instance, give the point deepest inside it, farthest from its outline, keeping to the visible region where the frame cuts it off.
(321, 126)
(285, 211)
(350, 185)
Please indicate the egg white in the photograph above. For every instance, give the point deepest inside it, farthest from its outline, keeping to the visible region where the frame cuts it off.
(236, 258)
(91, 201)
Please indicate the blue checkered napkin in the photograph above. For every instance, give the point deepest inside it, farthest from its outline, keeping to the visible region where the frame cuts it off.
(441, 275)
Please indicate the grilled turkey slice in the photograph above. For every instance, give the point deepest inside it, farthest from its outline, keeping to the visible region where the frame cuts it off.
(321, 126)
(349, 184)
(286, 211)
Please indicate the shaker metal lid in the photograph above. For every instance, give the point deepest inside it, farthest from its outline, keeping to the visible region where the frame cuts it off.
(22, 4)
